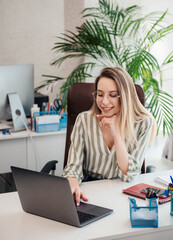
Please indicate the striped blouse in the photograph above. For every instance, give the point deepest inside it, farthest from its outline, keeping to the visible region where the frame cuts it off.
(89, 150)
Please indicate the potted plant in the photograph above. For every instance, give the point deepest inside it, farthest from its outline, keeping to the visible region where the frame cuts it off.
(114, 36)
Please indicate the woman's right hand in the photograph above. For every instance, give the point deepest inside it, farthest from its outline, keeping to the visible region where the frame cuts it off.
(74, 184)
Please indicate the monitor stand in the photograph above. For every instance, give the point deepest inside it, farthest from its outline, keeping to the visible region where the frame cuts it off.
(17, 111)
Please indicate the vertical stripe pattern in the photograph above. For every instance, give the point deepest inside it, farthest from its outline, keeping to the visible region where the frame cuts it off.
(89, 150)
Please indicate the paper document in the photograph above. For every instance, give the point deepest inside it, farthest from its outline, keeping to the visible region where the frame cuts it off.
(4, 126)
(165, 180)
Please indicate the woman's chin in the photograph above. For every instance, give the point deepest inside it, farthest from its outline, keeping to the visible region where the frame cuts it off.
(109, 114)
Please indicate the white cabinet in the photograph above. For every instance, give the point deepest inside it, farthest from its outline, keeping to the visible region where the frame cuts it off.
(17, 149)
(12, 152)
(46, 148)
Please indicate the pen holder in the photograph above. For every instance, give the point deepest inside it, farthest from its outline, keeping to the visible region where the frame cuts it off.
(63, 121)
(144, 217)
(171, 212)
(170, 191)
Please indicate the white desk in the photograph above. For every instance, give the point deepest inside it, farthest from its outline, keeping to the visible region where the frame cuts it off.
(17, 149)
(17, 225)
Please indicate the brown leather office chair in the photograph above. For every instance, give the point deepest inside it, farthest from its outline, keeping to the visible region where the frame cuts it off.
(80, 99)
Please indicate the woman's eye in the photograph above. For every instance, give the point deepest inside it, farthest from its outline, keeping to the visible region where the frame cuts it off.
(100, 95)
(113, 95)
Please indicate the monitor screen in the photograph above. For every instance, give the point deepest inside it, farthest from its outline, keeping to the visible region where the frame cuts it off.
(19, 79)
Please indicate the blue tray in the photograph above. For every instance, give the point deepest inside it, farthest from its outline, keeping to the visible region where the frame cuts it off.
(144, 217)
(40, 128)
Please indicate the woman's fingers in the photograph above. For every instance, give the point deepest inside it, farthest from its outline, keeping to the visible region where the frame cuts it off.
(107, 120)
(82, 196)
(79, 195)
(76, 190)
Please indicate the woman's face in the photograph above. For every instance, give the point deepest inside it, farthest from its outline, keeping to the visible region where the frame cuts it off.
(107, 97)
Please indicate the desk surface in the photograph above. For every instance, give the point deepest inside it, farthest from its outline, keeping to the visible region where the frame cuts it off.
(17, 225)
(25, 134)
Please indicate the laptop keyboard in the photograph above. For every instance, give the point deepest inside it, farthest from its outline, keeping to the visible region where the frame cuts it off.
(83, 217)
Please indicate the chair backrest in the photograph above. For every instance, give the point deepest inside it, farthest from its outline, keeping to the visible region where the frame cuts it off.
(80, 99)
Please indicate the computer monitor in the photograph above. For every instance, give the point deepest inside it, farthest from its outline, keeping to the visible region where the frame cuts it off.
(16, 79)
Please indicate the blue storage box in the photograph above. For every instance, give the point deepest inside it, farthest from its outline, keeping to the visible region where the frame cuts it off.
(144, 217)
(63, 121)
(46, 127)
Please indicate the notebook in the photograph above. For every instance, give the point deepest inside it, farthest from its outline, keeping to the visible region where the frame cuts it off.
(165, 180)
(136, 191)
(50, 197)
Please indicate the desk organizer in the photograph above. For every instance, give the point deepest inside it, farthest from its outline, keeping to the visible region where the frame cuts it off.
(144, 217)
(45, 127)
(63, 121)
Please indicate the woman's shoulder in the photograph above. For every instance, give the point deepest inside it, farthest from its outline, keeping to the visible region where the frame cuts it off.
(149, 120)
(85, 114)
(146, 122)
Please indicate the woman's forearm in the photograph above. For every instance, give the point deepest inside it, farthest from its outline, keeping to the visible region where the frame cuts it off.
(121, 154)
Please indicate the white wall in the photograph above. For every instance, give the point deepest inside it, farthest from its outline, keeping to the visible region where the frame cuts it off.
(28, 30)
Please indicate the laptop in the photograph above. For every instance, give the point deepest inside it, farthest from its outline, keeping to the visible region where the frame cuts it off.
(51, 197)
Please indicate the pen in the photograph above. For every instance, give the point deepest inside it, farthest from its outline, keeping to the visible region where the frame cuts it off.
(48, 106)
(51, 107)
(171, 179)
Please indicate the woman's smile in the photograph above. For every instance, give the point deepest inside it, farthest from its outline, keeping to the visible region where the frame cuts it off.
(108, 100)
(106, 109)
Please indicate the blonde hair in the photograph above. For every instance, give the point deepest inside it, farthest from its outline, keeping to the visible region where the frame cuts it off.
(131, 110)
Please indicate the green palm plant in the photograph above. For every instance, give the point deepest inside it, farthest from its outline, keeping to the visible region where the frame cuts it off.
(114, 36)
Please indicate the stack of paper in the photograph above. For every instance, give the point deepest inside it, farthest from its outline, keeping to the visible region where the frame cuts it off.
(4, 126)
(165, 180)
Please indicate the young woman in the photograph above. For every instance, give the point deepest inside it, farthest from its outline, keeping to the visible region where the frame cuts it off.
(111, 139)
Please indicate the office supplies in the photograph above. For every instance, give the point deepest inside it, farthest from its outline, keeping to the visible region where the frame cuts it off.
(150, 191)
(63, 120)
(171, 179)
(47, 121)
(170, 191)
(50, 197)
(44, 107)
(57, 104)
(142, 216)
(4, 131)
(164, 180)
(136, 191)
(51, 107)
(34, 109)
(4, 126)
(171, 212)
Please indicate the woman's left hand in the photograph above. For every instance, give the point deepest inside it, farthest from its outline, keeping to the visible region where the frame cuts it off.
(112, 122)
(121, 151)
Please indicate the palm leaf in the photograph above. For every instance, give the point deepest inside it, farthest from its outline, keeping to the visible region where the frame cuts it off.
(139, 59)
(168, 59)
(115, 36)
(160, 105)
(154, 25)
(50, 81)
